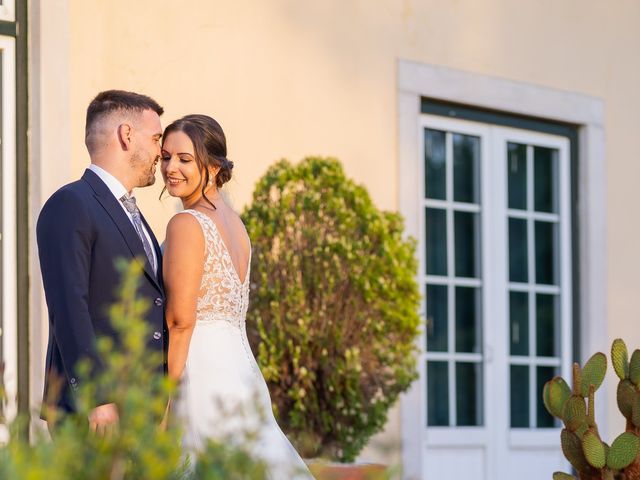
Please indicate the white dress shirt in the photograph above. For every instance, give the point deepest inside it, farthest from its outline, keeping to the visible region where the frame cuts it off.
(118, 190)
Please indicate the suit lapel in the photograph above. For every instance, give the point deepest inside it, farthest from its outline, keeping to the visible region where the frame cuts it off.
(157, 249)
(122, 222)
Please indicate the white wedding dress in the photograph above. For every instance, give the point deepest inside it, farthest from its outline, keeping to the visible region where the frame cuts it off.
(222, 393)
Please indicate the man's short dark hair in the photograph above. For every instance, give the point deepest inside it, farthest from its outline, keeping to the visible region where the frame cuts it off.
(111, 101)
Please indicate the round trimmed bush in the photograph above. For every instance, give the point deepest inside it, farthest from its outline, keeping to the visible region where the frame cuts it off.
(334, 305)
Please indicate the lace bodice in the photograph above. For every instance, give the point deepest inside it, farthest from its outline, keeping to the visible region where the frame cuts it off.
(222, 295)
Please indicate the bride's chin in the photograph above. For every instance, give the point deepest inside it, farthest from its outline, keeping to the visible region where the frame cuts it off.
(173, 193)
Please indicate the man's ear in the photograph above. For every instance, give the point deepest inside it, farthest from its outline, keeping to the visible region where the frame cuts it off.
(124, 136)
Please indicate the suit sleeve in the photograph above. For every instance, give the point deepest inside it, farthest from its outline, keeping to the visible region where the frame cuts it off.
(65, 241)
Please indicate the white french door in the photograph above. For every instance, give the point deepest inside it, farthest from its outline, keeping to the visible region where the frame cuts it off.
(8, 246)
(495, 271)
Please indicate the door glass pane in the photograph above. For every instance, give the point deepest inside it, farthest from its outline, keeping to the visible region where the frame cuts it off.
(547, 325)
(545, 420)
(467, 240)
(545, 179)
(468, 320)
(517, 175)
(466, 160)
(469, 396)
(546, 262)
(437, 333)
(436, 241)
(519, 322)
(437, 394)
(519, 396)
(435, 164)
(518, 270)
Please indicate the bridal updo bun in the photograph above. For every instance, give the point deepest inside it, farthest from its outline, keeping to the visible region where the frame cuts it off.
(209, 144)
(224, 175)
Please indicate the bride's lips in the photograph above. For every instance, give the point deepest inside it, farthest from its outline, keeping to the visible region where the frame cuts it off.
(174, 181)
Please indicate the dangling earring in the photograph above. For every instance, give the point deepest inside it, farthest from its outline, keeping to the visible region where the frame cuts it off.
(210, 182)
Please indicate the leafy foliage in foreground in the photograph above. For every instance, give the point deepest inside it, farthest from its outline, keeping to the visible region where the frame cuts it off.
(139, 448)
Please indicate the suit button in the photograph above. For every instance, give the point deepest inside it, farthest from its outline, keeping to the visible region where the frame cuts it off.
(158, 302)
(157, 335)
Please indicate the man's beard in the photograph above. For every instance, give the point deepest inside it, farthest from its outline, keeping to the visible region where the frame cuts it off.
(144, 169)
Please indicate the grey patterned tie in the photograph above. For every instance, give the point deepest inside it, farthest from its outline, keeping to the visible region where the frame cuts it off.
(130, 204)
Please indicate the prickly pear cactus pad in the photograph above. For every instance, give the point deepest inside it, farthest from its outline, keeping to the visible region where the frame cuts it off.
(572, 449)
(574, 413)
(620, 358)
(556, 392)
(623, 451)
(634, 368)
(593, 373)
(594, 450)
(563, 476)
(625, 397)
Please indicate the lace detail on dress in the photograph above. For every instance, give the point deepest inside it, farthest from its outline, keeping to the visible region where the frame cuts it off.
(222, 297)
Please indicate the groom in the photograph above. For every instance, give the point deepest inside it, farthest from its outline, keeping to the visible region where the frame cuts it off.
(81, 231)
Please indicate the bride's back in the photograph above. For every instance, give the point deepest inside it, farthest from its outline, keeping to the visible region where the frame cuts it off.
(234, 236)
(225, 281)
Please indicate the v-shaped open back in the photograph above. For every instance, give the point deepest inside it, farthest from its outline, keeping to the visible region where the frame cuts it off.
(223, 294)
(228, 251)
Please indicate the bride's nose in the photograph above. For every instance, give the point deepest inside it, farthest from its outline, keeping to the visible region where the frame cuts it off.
(171, 165)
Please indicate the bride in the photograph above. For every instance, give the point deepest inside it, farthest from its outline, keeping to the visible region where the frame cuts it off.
(207, 263)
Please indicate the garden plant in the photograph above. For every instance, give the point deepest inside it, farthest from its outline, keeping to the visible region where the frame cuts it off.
(334, 305)
(582, 445)
(139, 449)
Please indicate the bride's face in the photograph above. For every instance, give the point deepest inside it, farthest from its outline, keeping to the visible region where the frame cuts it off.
(179, 168)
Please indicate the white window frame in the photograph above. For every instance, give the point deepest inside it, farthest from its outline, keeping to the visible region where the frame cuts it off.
(416, 81)
(533, 437)
(448, 436)
(494, 282)
(8, 10)
(9, 335)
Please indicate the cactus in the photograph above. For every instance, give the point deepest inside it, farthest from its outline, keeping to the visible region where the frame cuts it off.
(581, 443)
(563, 476)
(556, 395)
(626, 398)
(634, 368)
(620, 358)
(572, 449)
(593, 372)
(574, 413)
(623, 451)
(594, 450)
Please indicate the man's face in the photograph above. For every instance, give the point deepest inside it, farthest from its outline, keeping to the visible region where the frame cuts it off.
(146, 149)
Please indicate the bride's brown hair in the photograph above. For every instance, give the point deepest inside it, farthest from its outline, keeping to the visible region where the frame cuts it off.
(210, 145)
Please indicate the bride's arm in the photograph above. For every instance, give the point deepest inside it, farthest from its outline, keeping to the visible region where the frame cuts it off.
(183, 265)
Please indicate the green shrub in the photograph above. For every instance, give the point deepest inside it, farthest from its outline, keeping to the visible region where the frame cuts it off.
(139, 449)
(334, 305)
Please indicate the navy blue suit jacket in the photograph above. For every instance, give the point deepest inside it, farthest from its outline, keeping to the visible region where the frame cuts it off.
(82, 229)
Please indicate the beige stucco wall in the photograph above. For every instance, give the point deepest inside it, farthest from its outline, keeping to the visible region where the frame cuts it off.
(287, 78)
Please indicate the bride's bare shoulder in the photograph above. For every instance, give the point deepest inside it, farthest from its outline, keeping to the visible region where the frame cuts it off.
(184, 226)
(184, 250)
